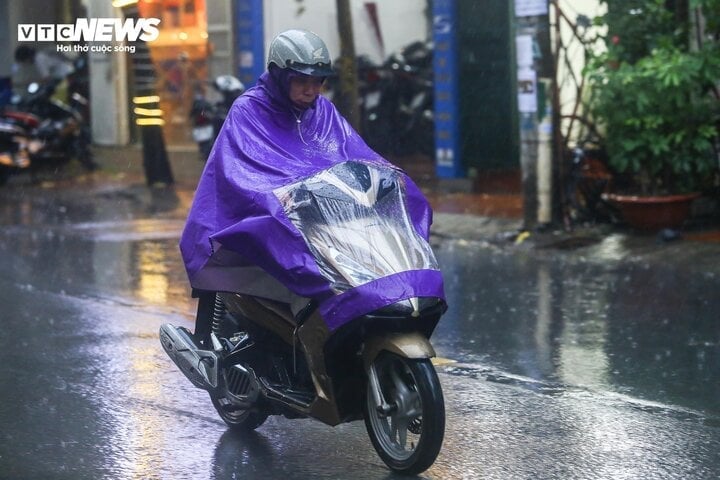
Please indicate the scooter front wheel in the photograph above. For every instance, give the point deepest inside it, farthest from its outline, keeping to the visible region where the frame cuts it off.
(407, 431)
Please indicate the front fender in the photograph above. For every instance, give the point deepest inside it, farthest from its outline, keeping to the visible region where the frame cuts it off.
(408, 345)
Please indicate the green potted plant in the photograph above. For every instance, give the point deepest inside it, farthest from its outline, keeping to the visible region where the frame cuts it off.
(656, 102)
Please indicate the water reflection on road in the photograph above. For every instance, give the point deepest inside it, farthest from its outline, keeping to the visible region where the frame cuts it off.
(117, 244)
(648, 332)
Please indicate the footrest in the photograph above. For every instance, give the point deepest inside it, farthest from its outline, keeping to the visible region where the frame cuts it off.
(300, 398)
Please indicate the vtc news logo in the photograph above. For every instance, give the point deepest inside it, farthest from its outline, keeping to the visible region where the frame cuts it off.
(91, 30)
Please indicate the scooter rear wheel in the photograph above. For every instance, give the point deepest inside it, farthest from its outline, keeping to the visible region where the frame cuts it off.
(409, 436)
(237, 419)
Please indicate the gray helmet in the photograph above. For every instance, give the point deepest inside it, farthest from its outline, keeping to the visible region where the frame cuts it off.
(301, 51)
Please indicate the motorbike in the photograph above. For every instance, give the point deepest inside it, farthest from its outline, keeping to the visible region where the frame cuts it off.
(587, 177)
(264, 351)
(396, 100)
(207, 116)
(53, 131)
(413, 91)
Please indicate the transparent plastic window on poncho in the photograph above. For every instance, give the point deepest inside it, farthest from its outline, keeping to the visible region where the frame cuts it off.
(355, 221)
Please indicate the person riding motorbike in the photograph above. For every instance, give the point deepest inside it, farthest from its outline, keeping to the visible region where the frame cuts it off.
(277, 132)
(316, 281)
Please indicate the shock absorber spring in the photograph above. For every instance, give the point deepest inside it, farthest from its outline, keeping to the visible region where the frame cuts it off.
(218, 313)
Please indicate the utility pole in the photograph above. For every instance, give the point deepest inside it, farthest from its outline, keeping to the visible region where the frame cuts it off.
(348, 101)
(534, 74)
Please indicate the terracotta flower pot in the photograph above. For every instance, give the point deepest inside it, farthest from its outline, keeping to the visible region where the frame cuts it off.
(652, 213)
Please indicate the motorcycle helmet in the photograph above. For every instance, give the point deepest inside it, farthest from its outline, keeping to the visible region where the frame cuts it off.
(301, 51)
(229, 84)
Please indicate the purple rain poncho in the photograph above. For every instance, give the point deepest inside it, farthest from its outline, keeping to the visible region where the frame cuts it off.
(238, 228)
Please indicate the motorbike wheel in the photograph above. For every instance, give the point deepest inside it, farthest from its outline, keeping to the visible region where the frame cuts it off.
(409, 437)
(237, 419)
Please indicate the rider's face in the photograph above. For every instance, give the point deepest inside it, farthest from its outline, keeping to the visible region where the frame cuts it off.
(304, 89)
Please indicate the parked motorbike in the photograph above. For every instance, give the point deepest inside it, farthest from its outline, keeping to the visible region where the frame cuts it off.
(413, 95)
(207, 116)
(396, 101)
(587, 178)
(53, 132)
(258, 356)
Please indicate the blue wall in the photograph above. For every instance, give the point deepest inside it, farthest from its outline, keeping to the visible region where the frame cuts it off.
(249, 40)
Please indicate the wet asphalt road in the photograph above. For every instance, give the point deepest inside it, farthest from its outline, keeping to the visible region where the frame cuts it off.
(566, 367)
